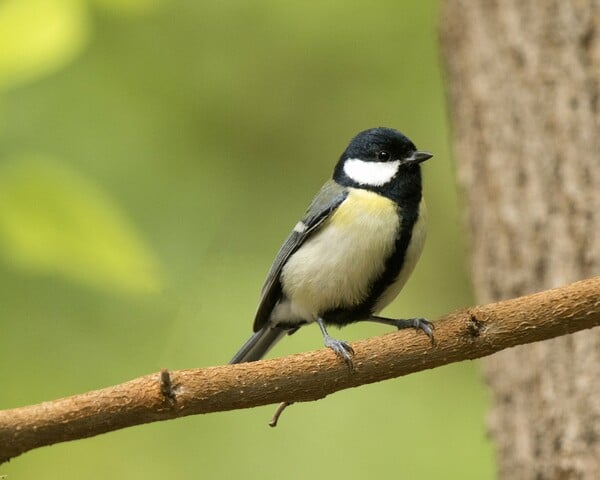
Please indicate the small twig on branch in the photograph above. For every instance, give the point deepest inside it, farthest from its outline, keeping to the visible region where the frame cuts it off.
(462, 335)
(166, 386)
(282, 406)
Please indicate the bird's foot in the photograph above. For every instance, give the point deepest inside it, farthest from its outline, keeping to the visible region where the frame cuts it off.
(417, 323)
(342, 349)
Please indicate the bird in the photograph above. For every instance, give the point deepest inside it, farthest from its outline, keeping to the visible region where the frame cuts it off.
(352, 252)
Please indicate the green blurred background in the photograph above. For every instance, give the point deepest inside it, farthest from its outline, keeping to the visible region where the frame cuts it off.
(153, 156)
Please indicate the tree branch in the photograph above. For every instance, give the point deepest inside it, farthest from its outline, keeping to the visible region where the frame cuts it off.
(466, 334)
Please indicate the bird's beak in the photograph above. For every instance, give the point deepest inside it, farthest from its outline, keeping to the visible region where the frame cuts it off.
(418, 157)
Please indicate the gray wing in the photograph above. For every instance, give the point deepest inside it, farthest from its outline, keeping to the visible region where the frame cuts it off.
(326, 201)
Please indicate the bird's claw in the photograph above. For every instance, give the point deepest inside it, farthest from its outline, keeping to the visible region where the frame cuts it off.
(419, 324)
(342, 349)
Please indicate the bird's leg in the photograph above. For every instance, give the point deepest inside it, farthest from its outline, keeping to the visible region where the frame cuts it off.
(341, 349)
(416, 323)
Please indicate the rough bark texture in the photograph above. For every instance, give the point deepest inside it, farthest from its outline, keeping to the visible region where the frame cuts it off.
(465, 334)
(523, 81)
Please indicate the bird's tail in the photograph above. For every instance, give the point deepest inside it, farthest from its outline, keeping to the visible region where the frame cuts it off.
(259, 344)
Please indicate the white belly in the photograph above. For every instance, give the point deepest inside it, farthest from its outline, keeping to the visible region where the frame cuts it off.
(336, 267)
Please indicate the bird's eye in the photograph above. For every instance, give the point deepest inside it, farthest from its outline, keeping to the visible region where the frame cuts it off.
(384, 156)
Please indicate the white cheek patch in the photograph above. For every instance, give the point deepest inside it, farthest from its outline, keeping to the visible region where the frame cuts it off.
(370, 173)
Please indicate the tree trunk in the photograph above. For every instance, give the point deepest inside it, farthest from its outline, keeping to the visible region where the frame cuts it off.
(523, 82)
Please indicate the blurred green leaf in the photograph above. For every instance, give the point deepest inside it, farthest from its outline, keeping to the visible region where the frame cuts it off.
(53, 220)
(39, 36)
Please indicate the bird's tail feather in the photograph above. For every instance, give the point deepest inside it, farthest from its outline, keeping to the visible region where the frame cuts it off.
(259, 344)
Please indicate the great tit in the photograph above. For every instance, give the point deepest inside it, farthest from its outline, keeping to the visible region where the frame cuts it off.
(353, 251)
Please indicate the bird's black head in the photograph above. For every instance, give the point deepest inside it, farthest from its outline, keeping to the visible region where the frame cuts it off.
(380, 145)
(379, 158)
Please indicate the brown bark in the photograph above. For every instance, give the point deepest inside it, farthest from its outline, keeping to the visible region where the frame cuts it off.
(465, 334)
(523, 83)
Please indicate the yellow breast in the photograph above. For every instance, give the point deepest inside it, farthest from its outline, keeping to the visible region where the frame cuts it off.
(336, 266)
